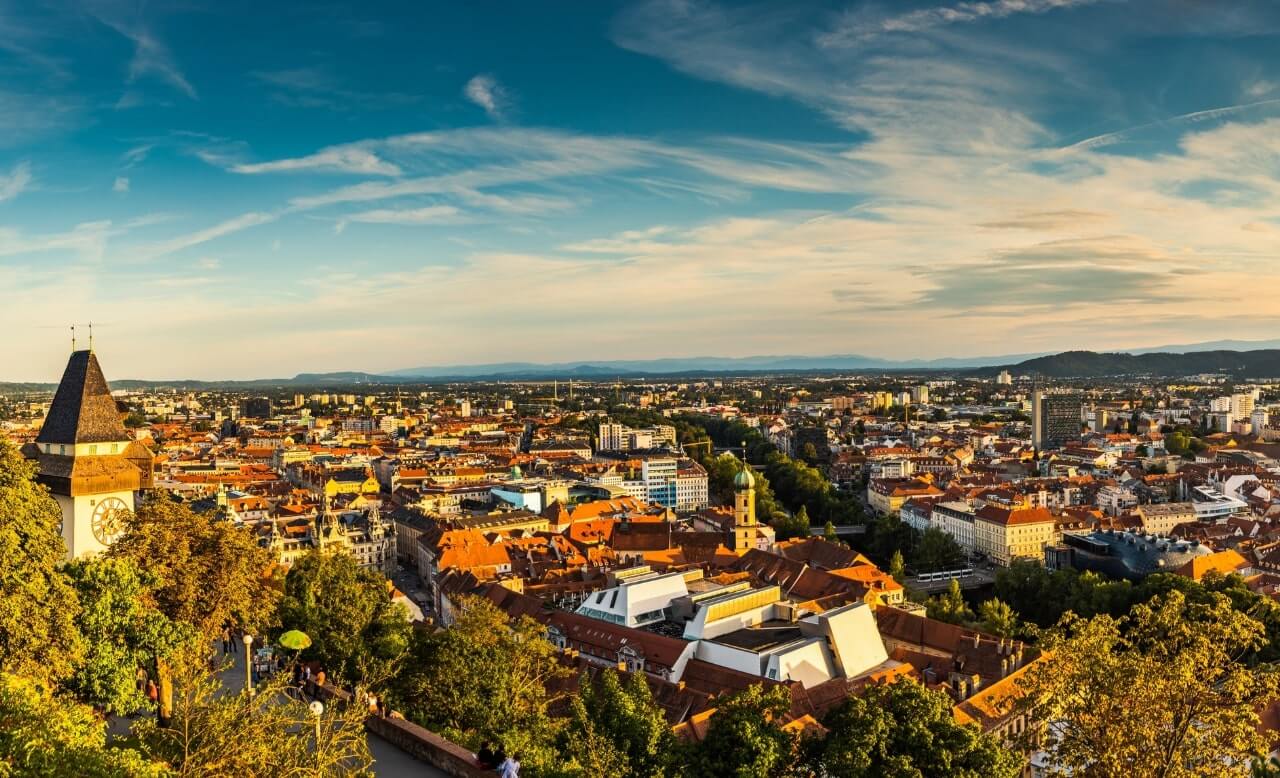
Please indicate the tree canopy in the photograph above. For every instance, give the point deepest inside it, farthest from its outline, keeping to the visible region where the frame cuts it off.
(903, 730)
(46, 735)
(357, 632)
(122, 631)
(616, 728)
(745, 737)
(38, 605)
(485, 679)
(207, 573)
(1171, 671)
(270, 733)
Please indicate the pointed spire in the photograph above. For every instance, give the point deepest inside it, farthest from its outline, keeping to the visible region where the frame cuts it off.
(83, 410)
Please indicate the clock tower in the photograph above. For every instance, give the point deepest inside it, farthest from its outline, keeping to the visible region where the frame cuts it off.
(87, 459)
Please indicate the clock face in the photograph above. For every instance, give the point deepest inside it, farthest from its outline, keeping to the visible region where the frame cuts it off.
(108, 519)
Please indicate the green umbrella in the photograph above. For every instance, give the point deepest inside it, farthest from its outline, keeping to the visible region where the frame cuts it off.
(295, 640)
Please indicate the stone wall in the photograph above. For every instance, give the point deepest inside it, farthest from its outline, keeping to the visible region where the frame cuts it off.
(422, 744)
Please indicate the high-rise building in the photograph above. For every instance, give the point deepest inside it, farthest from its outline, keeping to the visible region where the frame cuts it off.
(255, 408)
(920, 394)
(619, 437)
(1261, 419)
(1004, 379)
(1241, 406)
(1055, 418)
(87, 459)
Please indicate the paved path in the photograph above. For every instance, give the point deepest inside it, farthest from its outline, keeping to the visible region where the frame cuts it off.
(391, 762)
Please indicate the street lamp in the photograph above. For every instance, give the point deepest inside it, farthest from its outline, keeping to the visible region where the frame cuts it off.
(248, 664)
(317, 710)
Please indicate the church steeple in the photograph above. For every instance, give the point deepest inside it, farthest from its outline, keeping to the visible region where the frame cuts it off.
(744, 509)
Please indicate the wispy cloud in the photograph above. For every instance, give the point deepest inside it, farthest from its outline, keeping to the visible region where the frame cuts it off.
(16, 182)
(120, 185)
(486, 92)
(221, 229)
(338, 159)
(136, 155)
(1119, 136)
(151, 57)
(317, 87)
(87, 240)
(859, 26)
(432, 214)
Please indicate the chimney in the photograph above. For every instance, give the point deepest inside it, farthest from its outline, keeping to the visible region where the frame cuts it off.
(977, 639)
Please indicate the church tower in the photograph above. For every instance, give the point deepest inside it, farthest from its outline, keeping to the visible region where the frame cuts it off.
(744, 511)
(86, 458)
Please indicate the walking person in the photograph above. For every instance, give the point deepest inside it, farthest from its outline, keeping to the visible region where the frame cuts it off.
(226, 641)
(153, 694)
(511, 767)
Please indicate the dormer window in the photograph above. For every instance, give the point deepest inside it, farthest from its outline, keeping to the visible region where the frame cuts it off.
(93, 450)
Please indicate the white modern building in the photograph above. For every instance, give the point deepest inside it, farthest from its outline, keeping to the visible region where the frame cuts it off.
(639, 598)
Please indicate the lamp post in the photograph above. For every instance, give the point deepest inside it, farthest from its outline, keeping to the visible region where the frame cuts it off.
(317, 710)
(248, 664)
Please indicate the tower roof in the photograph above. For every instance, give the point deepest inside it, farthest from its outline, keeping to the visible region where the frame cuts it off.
(744, 479)
(82, 409)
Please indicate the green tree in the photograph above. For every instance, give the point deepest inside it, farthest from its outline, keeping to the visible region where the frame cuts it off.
(617, 729)
(890, 535)
(897, 568)
(1171, 670)
(795, 526)
(998, 618)
(745, 737)
(122, 632)
(950, 606)
(358, 634)
(213, 733)
(937, 551)
(485, 679)
(809, 453)
(905, 730)
(45, 735)
(829, 533)
(207, 572)
(38, 606)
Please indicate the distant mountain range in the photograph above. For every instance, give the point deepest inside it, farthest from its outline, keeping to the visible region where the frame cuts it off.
(1262, 363)
(679, 365)
(1245, 358)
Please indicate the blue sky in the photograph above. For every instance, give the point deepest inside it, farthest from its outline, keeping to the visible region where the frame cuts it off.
(236, 190)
